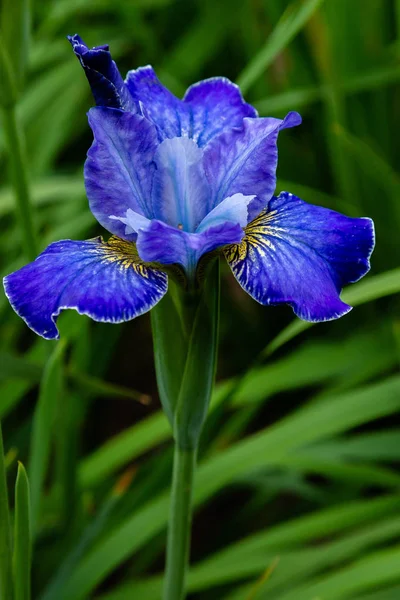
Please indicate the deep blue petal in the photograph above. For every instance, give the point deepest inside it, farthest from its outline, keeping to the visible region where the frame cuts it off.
(302, 255)
(244, 160)
(119, 167)
(105, 80)
(156, 102)
(208, 107)
(215, 104)
(165, 244)
(104, 280)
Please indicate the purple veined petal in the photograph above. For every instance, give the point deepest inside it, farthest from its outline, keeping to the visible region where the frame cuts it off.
(302, 255)
(105, 80)
(156, 102)
(119, 167)
(167, 245)
(207, 108)
(104, 280)
(215, 104)
(180, 190)
(244, 160)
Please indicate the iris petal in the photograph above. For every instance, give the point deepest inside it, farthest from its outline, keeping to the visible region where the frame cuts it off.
(208, 107)
(302, 255)
(180, 190)
(233, 209)
(244, 160)
(104, 280)
(119, 167)
(105, 80)
(215, 104)
(167, 245)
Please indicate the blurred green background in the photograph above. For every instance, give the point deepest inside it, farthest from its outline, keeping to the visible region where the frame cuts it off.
(297, 493)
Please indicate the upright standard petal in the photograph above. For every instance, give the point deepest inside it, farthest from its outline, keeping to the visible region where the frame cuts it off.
(104, 280)
(180, 190)
(119, 167)
(302, 255)
(105, 80)
(215, 104)
(156, 102)
(244, 160)
(207, 108)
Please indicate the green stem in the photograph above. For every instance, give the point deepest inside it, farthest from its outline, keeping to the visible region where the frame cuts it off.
(19, 176)
(179, 523)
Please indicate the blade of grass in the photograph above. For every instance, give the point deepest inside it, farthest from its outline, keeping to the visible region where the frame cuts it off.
(370, 289)
(290, 24)
(5, 530)
(265, 448)
(22, 538)
(297, 98)
(42, 428)
(381, 567)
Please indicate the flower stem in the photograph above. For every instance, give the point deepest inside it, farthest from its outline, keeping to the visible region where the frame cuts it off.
(19, 177)
(179, 523)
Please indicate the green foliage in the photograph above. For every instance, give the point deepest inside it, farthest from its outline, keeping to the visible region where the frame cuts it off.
(22, 537)
(296, 494)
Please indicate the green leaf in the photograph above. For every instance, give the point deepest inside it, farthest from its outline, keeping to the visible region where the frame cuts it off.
(372, 288)
(292, 21)
(297, 98)
(249, 556)
(124, 448)
(266, 448)
(54, 189)
(22, 538)
(43, 427)
(5, 530)
(15, 25)
(8, 85)
(379, 568)
(317, 361)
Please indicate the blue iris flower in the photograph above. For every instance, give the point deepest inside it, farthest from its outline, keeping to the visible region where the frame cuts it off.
(173, 181)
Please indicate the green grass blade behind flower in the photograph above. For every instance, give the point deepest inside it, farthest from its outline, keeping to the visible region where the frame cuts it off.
(372, 571)
(317, 362)
(43, 428)
(54, 189)
(375, 168)
(372, 288)
(123, 448)
(17, 367)
(313, 364)
(60, 123)
(200, 42)
(381, 567)
(15, 25)
(5, 531)
(297, 98)
(374, 446)
(389, 593)
(22, 538)
(92, 531)
(249, 556)
(290, 24)
(266, 448)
